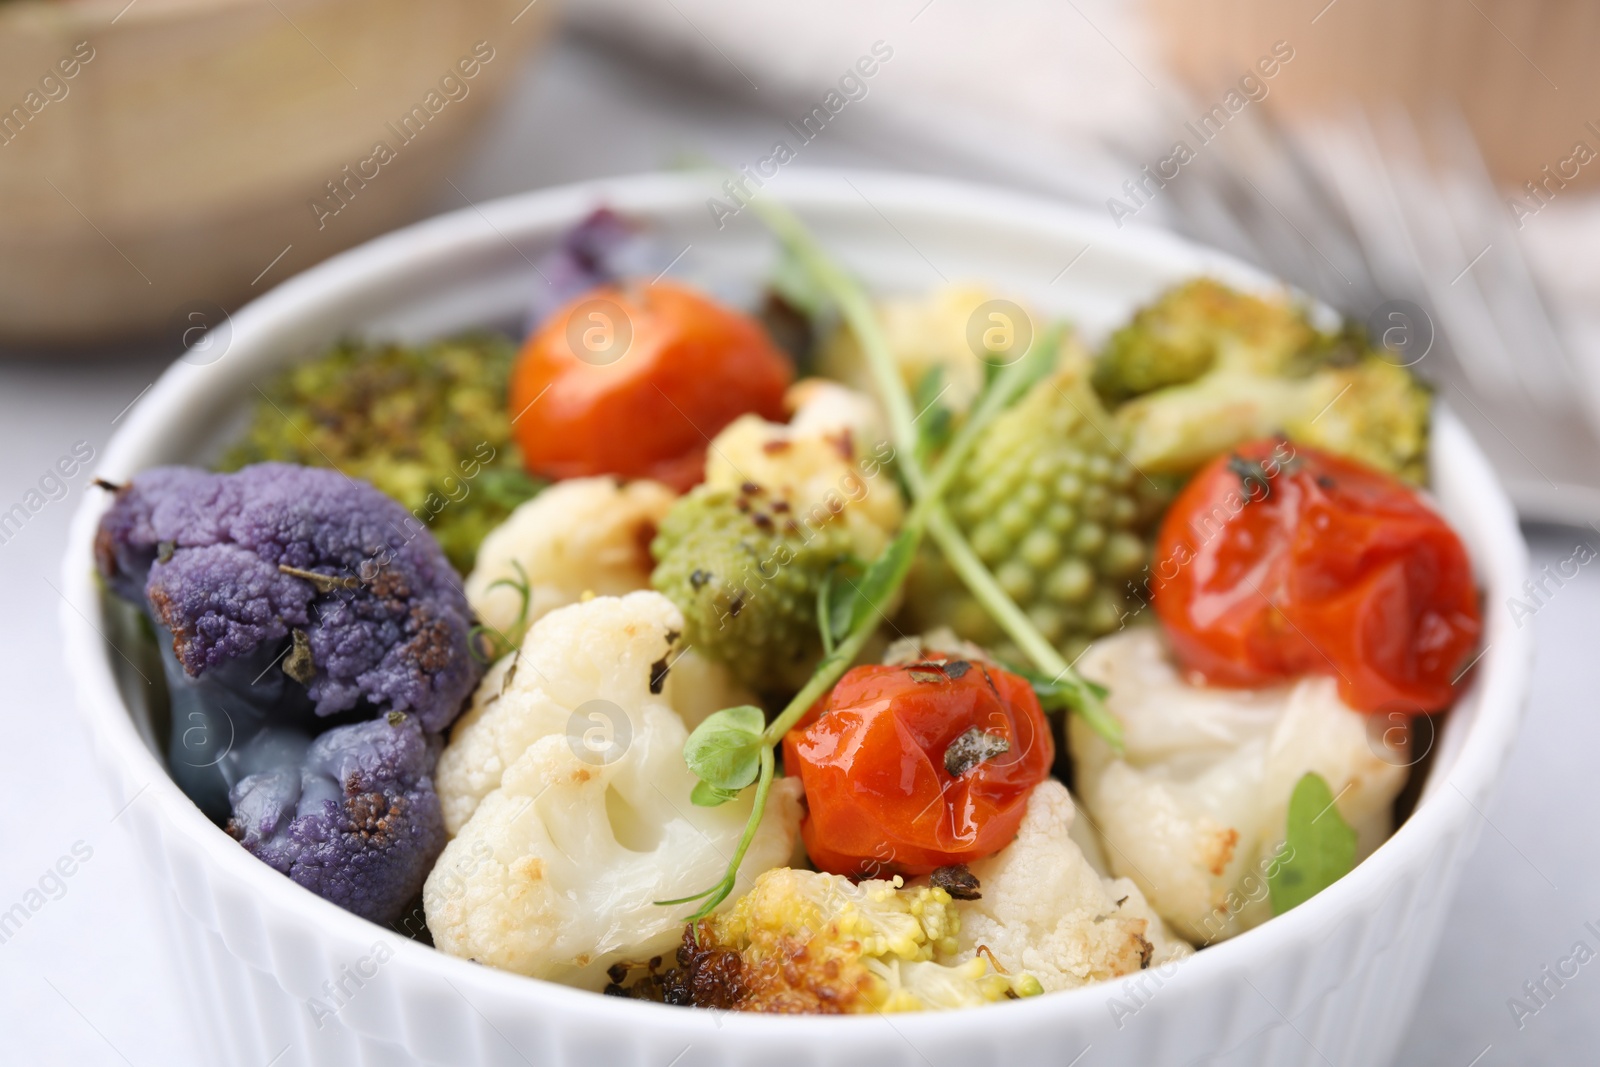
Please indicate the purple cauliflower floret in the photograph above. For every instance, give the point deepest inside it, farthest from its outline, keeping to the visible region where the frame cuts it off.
(349, 593)
(352, 815)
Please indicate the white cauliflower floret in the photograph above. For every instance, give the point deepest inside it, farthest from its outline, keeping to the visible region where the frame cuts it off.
(924, 332)
(828, 462)
(1044, 910)
(580, 535)
(568, 798)
(1196, 810)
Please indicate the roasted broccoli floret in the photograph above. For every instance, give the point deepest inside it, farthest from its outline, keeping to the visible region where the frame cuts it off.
(1191, 329)
(352, 815)
(1048, 501)
(289, 600)
(744, 567)
(1371, 410)
(802, 941)
(1205, 367)
(428, 425)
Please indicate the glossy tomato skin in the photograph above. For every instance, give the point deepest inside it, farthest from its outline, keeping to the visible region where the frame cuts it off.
(880, 797)
(1279, 560)
(636, 380)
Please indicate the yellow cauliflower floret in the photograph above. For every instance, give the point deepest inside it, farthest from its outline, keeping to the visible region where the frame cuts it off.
(924, 333)
(813, 942)
(567, 794)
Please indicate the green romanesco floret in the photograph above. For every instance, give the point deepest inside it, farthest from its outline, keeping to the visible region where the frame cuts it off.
(1204, 368)
(744, 567)
(803, 941)
(1062, 519)
(427, 425)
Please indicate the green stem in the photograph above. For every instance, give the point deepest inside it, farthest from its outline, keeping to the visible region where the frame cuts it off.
(1045, 656)
(926, 516)
(822, 679)
(857, 311)
(863, 322)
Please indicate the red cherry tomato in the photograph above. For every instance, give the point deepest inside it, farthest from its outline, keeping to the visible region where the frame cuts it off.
(636, 380)
(1278, 560)
(912, 768)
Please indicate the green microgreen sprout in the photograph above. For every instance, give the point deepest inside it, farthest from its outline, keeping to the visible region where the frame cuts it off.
(498, 642)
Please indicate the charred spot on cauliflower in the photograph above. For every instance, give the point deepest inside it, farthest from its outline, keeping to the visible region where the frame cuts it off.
(806, 942)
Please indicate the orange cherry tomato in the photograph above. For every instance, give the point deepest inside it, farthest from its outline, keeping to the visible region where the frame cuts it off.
(635, 380)
(1279, 560)
(917, 767)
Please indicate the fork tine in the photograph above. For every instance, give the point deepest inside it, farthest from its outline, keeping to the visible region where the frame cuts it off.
(1509, 285)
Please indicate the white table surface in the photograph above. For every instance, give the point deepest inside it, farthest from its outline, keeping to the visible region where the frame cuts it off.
(86, 981)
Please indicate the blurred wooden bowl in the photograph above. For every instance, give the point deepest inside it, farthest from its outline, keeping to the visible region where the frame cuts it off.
(1521, 72)
(167, 154)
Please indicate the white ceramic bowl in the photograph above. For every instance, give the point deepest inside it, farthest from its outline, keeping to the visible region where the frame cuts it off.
(1331, 982)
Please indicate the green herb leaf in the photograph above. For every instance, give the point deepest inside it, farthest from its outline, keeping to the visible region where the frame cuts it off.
(724, 751)
(706, 795)
(863, 598)
(1320, 847)
(834, 628)
(1077, 694)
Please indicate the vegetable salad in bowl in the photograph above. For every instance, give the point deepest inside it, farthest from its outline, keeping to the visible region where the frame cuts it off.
(816, 650)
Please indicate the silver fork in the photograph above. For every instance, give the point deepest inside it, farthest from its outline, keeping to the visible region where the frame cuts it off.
(1367, 213)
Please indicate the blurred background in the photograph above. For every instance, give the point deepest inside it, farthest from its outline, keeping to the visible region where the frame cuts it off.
(1430, 168)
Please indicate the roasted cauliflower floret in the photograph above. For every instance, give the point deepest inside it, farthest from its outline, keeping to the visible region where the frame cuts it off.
(802, 941)
(1195, 811)
(827, 461)
(926, 334)
(1042, 909)
(568, 798)
(744, 554)
(581, 535)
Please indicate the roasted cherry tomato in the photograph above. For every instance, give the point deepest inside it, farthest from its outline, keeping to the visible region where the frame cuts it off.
(636, 380)
(1278, 560)
(912, 768)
